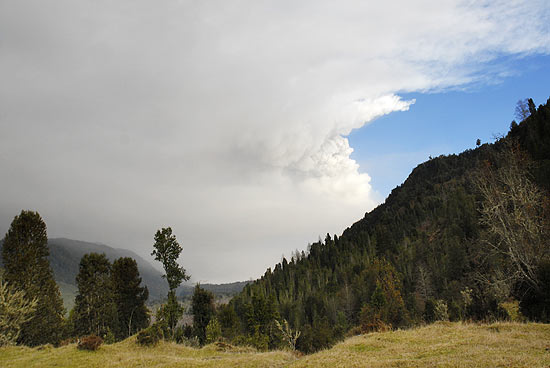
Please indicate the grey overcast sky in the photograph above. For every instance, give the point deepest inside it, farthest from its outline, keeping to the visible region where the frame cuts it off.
(226, 120)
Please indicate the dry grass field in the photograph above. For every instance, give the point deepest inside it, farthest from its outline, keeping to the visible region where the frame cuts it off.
(437, 345)
(442, 345)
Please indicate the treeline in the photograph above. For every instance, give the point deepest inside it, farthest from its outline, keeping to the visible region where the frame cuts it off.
(465, 237)
(110, 304)
(110, 301)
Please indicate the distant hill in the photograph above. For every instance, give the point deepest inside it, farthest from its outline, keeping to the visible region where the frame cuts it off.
(229, 289)
(65, 255)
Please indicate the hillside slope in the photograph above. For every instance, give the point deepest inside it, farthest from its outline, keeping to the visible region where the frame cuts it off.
(437, 345)
(442, 345)
(417, 255)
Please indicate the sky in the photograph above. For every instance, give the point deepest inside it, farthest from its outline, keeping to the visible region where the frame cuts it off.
(252, 128)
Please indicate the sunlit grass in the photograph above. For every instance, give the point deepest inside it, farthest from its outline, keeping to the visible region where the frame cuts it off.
(437, 345)
(442, 345)
(128, 354)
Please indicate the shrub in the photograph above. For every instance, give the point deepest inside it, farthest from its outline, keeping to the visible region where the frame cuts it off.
(109, 337)
(90, 342)
(192, 342)
(213, 331)
(376, 325)
(70, 340)
(436, 310)
(289, 336)
(441, 312)
(510, 311)
(150, 336)
(15, 310)
(179, 335)
(258, 341)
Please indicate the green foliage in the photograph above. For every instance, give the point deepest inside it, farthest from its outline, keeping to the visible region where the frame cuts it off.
(169, 314)
(95, 311)
(167, 251)
(258, 340)
(150, 336)
(109, 337)
(213, 331)
(15, 310)
(228, 320)
(130, 297)
(511, 312)
(315, 337)
(385, 306)
(27, 268)
(203, 310)
(261, 313)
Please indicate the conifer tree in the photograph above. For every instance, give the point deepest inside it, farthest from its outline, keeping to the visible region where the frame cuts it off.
(130, 297)
(27, 268)
(95, 309)
(203, 311)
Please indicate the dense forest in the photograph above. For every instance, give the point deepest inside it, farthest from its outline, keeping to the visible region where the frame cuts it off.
(429, 252)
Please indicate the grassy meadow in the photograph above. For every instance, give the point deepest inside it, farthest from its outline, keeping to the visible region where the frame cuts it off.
(440, 344)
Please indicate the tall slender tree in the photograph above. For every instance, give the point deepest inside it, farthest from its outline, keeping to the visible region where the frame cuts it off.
(130, 297)
(27, 268)
(167, 251)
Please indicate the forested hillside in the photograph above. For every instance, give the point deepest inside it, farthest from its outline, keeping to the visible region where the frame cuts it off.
(433, 250)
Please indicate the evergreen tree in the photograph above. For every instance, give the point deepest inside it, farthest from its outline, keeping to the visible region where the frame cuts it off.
(27, 268)
(95, 308)
(130, 297)
(213, 331)
(229, 321)
(203, 310)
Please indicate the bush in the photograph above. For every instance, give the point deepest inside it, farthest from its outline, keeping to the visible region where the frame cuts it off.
(213, 331)
(90, 342)
(192, 342)
(436, 310)
(70, 340)
(179, 335)
(510, 311)
(150, 336)
(258, 341)
(109, 337)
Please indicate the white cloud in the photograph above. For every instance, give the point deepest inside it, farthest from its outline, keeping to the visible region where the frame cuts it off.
(227, 119)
